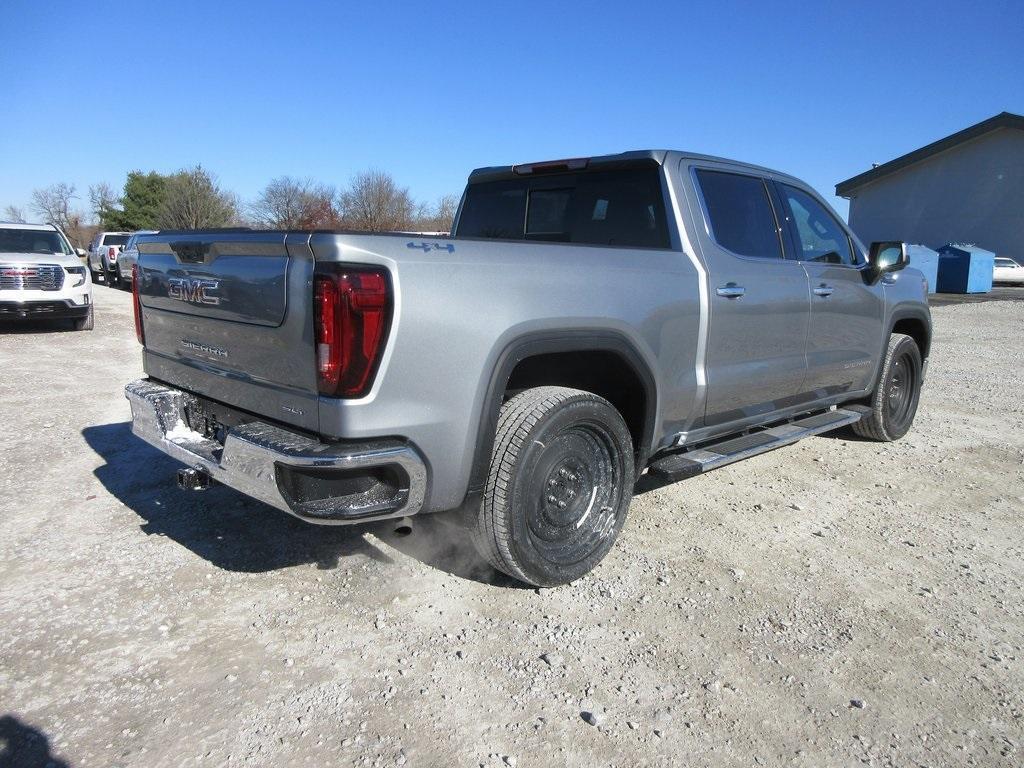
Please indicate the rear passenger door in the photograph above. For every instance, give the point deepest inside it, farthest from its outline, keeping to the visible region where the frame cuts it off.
(846, 311)
(755, 359)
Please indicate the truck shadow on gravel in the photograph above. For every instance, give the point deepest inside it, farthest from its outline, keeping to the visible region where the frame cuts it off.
(22, 746)
(236, 533)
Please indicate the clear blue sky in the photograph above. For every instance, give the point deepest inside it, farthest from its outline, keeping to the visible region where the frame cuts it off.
(428, 91)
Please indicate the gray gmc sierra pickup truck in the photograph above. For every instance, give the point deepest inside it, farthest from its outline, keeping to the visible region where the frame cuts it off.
(588, 320)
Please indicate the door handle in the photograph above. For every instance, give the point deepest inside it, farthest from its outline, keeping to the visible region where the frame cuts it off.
(730, 291)
(824, 290)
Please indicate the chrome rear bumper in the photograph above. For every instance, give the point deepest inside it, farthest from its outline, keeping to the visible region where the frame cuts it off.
(330, 483)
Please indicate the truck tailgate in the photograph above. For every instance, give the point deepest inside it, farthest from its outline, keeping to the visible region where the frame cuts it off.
(228, 315)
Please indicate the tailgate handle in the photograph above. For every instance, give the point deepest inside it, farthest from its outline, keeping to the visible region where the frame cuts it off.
(190, 251)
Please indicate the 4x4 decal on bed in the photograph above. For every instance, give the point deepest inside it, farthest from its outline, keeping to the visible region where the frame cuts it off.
(427, 247)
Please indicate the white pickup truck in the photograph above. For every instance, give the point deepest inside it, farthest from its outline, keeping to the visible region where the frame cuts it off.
(104, 251)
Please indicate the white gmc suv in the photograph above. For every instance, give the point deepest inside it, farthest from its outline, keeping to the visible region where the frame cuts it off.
(41, 277)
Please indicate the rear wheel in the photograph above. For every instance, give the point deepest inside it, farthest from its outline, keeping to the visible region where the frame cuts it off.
(110, 276)
(559, 486)
(894, 402)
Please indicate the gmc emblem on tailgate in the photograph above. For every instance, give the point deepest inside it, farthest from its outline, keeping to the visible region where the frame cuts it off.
(197, 291)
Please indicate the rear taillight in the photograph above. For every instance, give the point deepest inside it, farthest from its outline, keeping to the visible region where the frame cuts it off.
(136, 304)
(112, 254)
(352, 316)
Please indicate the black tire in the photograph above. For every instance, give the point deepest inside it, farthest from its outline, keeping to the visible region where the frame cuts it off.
(559, 485)
(83, 323)
(110, 277)
(896, 396)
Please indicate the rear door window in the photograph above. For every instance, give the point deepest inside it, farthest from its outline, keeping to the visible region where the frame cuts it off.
(741, 218)
(619, 208)
(819, 237)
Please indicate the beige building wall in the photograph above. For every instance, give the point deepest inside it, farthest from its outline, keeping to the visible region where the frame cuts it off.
(972, 193)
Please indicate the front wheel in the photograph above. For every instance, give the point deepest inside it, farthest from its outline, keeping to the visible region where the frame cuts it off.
(84, 323)
(894, 401)
(559, 485)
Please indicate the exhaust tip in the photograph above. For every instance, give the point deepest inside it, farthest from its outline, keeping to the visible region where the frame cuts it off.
(194, 479)
(403, 527)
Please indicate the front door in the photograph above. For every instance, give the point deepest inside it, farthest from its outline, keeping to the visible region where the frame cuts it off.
(846, 312)
(759, 300)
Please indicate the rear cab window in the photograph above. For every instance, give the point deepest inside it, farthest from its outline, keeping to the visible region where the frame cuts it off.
(115, 239)
(623, 207)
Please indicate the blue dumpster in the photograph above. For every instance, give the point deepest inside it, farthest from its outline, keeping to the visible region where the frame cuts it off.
(965, 269)
(926, 260)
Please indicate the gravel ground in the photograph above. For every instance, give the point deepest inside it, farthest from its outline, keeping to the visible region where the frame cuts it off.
(836, 602)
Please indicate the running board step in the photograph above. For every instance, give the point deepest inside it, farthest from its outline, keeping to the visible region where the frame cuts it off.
(680, 466)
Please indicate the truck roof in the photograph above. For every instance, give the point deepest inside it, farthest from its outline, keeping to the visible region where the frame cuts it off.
(637, 158)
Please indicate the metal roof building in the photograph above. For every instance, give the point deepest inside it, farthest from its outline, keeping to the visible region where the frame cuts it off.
(966, 188)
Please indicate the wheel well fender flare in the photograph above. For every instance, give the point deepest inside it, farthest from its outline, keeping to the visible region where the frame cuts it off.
(923, 327)
(545, 343)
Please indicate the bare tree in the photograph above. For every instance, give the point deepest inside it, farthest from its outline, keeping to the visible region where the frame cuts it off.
(437, 218)
(288, 203)
(53, 203)
(375, 203)
(321, 213)
(14, 214)
(104, 202)
(195, 201)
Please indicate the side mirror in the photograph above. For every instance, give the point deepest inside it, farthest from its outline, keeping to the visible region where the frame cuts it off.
(887, 256)
(81, 252)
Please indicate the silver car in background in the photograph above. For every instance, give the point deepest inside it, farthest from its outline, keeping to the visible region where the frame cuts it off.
(129, 256)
